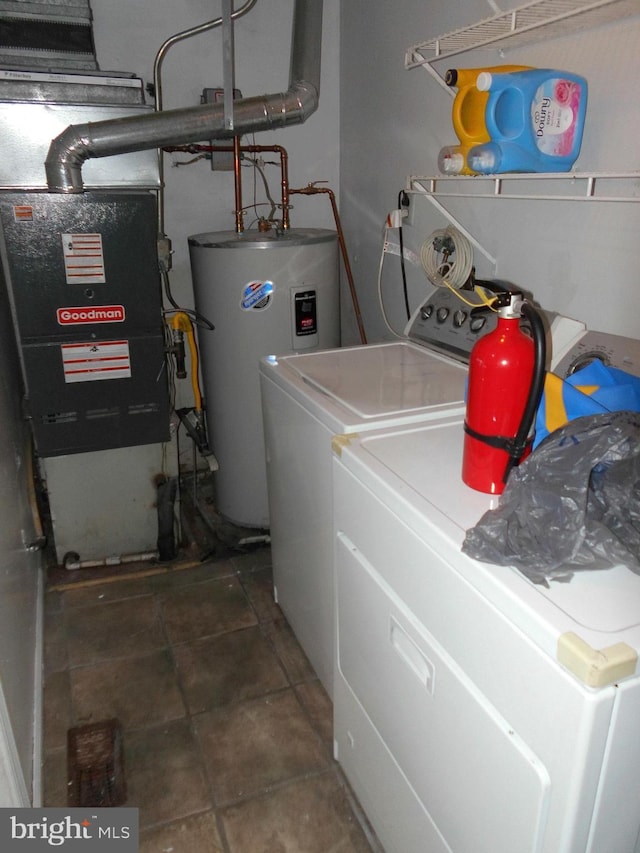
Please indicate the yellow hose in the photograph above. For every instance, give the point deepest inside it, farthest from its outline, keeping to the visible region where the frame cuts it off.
(182, 322)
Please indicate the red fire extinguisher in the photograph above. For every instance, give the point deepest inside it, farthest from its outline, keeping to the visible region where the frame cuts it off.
(506, 379)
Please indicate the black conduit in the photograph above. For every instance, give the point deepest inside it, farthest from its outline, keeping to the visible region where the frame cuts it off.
(537, 386)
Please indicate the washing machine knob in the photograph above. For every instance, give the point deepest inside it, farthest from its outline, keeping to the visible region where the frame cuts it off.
(426, 312)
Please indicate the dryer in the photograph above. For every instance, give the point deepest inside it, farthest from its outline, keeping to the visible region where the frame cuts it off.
(475, 711)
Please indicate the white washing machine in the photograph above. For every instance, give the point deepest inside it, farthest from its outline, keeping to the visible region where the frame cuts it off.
(475, 711)
(307, 399)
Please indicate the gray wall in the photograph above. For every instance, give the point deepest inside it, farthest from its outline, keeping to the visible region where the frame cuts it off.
(20, 590)
(580, 259)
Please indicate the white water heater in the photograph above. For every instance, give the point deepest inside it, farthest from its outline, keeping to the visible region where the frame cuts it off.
(267, 294)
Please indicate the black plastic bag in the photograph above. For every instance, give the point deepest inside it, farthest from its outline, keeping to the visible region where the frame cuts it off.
(573, 504)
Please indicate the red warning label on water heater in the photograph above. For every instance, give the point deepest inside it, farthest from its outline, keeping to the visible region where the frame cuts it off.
(96, 314)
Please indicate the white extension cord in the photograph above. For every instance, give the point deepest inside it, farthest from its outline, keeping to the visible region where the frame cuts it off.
(447, 258)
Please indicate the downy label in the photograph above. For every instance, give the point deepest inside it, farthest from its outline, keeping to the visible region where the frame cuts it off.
(554, 113)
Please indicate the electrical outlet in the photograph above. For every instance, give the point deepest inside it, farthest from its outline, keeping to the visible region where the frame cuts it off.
(407, 204)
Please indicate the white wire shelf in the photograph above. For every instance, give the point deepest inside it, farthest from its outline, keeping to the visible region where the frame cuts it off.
(557, 186)
(534, 21)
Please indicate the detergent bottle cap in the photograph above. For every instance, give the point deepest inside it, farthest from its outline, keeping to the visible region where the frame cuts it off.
(451, 77)
(485, 159)
(451, 160)
(483, 83)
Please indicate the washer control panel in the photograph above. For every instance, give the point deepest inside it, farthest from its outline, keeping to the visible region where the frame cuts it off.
(446, 323)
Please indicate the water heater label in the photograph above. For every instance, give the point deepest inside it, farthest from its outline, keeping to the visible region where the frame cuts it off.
(256, 295)
(89, 362)
(83, 258)
(305, 310)
(98, 314)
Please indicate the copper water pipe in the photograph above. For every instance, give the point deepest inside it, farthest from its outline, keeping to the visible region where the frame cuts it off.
(311, 189)
(251, 149)
(284, 175)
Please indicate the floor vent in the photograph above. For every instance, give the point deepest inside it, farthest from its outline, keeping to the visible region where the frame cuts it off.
(95, 765)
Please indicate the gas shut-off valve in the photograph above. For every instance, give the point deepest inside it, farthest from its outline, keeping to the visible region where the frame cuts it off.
(178, 352)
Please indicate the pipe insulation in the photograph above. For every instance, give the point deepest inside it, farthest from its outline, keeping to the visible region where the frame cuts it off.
(78, 143)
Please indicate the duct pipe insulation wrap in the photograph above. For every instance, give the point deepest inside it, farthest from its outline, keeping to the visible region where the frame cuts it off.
(69, 151)
(267, 294)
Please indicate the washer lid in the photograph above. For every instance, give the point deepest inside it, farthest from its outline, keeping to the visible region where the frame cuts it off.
(381, 379)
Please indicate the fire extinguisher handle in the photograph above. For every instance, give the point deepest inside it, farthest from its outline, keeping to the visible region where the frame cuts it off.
(503, 290)
(494, 285)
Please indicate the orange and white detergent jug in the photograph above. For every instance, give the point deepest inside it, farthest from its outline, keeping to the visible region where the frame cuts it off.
(468, 115)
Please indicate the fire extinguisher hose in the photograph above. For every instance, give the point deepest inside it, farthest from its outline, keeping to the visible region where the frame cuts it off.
(519, 442)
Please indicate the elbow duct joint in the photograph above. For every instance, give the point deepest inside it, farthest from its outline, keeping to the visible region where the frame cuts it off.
(70, 150)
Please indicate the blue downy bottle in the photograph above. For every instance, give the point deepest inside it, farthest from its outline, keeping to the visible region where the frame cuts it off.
(535, 121)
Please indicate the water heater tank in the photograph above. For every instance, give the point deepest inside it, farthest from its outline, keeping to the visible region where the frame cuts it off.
(266, 294)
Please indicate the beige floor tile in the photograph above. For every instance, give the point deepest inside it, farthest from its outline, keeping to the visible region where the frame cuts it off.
(205, 610)
(197, 834)
(110, 590)
(175, 578)
(229, 668)
(164, 773)
(113, 629)
(55, 642)
(57, 710)
(253, 561)
(316, 702)
(137, 691)
(258, 586)
(257, 744)
(289, 650)
(54, 778)
(310, 816)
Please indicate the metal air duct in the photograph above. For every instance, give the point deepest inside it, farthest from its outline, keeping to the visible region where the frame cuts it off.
(78, 143)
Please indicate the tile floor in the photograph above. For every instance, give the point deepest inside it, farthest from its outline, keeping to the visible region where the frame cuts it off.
(227, 730)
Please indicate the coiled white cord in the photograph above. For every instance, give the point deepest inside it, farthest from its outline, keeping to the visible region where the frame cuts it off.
(447, 258)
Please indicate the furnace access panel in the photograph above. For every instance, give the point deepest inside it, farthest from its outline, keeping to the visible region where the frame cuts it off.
(83, 275)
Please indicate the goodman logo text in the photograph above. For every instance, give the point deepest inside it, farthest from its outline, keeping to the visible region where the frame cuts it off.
(98, 314)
